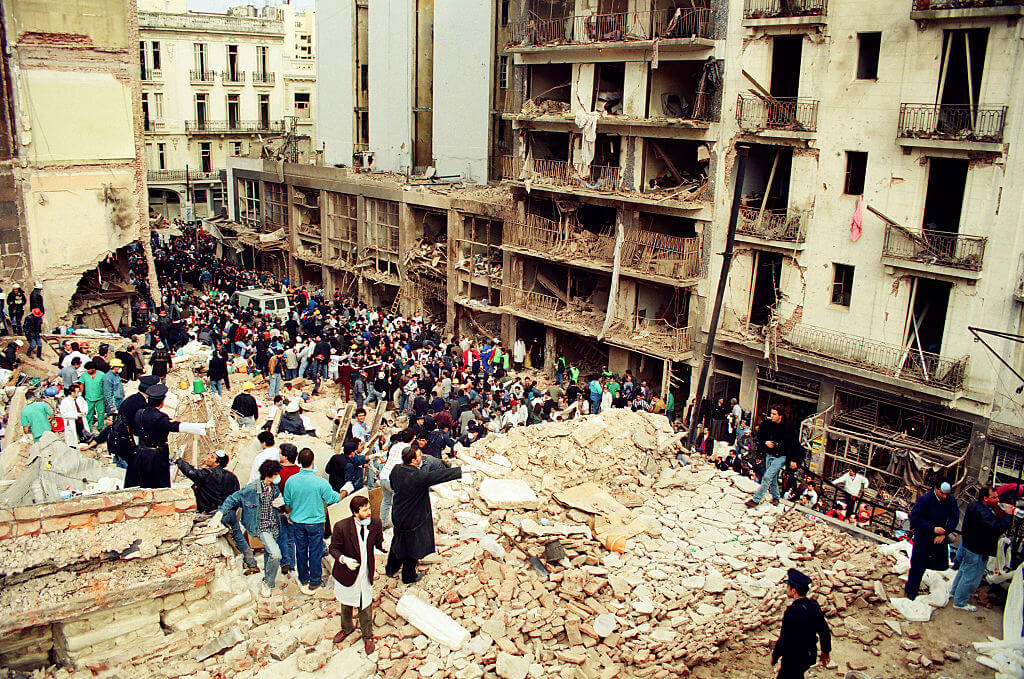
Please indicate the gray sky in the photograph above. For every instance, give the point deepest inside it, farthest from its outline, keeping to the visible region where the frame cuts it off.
(222, 5)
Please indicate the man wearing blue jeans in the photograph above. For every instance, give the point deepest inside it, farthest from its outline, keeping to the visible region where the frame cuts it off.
(259, 518)
(776, 441)
(305, 495)
(984, 521)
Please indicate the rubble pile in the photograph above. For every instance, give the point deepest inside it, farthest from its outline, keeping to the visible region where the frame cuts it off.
(696, 569)
(541, 106)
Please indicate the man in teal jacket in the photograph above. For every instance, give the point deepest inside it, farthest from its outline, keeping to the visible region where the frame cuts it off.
(305, 495)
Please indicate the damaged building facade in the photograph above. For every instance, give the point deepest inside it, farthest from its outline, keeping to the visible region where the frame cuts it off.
(612, 131)
(71, 163)
(220, 85)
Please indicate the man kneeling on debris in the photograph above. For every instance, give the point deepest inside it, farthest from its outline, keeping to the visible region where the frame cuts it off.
(259, 502)
(353, 542)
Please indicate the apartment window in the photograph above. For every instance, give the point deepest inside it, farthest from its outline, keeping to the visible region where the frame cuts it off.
(202, 108)
(161, 156)
(262, 59)
(302, 104)
(842, 284)
(504, 12)
(149, 58)
(277, 206)
(155, 55)
(856, 168)
(156, 105)
(364, 78)
(206, 156)
(234, 109)
(249, 202)
(503, 72)
(236, 148)
(199, 50)
(868, 47)
(147, 124)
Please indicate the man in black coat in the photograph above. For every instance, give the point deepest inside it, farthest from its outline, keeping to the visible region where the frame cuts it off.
(212, 483)
(411, 513)
(933, 518)
(121, 442)
(984, 521)
(778, 443)
(802, 624)
(151, 466)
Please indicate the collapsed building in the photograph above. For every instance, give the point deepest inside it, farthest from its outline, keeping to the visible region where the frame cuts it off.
(71, 157)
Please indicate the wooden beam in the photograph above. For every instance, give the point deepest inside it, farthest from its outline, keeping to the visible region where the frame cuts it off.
(668, 163)
(552, 286)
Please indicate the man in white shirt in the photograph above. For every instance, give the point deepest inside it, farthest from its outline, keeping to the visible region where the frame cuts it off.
(269, 452)
(853, 484)
(518, 354)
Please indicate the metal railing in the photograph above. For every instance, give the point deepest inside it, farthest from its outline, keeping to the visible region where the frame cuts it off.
(210, 23)
(893, 360)
(529, 300)
(759, 113)
(680, 340)
(232, 77)
(598, 177)
(202, 76)
(764, 9)
(921, 5)
(612, 27)
(237, 126)
(147, 74)
(262, 78)
(935, 247)
(647, 252)
(178, 176)
(536, 233)
(773, 225)
(957, 123)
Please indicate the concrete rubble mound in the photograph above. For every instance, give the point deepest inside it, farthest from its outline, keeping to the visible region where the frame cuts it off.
(698, 569)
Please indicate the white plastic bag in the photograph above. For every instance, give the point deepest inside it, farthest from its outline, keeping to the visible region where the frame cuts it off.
(433, 622)
(914, 611)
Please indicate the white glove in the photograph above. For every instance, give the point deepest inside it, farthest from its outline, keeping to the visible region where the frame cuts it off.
(350, 563)
(347, 488)
(215, 520)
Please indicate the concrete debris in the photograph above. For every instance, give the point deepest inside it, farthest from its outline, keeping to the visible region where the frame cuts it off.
(226, 640)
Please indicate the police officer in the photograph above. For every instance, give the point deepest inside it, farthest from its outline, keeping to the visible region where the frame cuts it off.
(151, 466)
(802, 624)
(121, 442)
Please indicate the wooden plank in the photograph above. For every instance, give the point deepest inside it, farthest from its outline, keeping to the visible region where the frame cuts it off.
(668, 163)
(552, 286)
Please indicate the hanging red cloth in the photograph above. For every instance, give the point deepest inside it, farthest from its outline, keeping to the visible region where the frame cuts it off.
(858, 219)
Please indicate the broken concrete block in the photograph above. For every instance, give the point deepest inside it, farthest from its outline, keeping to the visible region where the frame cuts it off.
(223, 642)
(433, 622)
(512, 666)
(508, 494)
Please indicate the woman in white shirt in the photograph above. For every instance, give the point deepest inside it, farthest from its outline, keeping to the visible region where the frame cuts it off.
(72, 410)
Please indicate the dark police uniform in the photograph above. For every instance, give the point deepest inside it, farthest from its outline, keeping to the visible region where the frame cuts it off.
(802, 624)
(121, 442)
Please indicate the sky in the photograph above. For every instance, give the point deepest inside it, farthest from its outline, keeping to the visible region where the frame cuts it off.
(222, 5)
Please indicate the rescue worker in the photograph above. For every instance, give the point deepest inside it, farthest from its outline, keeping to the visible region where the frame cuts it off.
(16, 307)
(802, 624)
(151, 466)
(121, 442)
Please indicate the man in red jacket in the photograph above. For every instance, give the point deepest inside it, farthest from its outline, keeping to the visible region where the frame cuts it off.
(353, 542)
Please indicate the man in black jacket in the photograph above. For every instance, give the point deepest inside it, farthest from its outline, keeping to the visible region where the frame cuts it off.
(984, 521)
(778, 443)
(212, 483)
(16, 307)
(803, 624)
(244, 406)
(933, 518)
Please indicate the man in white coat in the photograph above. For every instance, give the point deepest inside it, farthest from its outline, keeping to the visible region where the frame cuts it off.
(519, 354)
(353, 542)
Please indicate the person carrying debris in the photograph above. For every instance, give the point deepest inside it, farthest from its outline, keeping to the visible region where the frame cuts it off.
(212, 483)
(934, 516)
(244, 406)
(113, 387)
(150, 467)
(803, 624)
(984, 521)
(411, 514)
(354, 541)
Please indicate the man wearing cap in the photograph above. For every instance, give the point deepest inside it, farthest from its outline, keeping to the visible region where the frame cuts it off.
(150, 468)
(802, 624)
(934, 516)
(16, 307)
(212, 483)
(93, 392)
(113, 387)
(244, 406)
(33, 330)
(121, 442)
(35, 299)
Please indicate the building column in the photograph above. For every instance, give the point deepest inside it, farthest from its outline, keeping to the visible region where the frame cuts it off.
(550, 350)
(666, 377)
(454, 233)
(406, 237)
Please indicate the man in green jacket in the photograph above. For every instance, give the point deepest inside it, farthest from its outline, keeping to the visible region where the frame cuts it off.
(305, 495)
(93, 381)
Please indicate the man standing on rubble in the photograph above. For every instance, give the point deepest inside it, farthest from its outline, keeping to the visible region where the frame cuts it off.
(353, 543)
(150, 468)
(212, 483)
(16, 308)
(113, 387)
(93, 381)
(411, 514)
(934, 516)
(777, 441)
(984, 521)
(802, 624)
(121, 442)
(305, 495)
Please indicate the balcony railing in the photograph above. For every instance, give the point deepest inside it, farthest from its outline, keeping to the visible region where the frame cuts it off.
(935, 247)
(963, 4)
(955, 123)
(767, 9)
(262, 78)
(536, 233)
(148, 74)
(199, 76)
(893, 360)
(533, 301)
(235, 77)
(563, 173)
(613, 27)
(777, 225)
(647, 252)
(178, 176)
(760, 113)
(233, 126)
(640, 329)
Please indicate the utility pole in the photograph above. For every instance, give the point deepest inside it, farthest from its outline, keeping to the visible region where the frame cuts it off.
(723, 278)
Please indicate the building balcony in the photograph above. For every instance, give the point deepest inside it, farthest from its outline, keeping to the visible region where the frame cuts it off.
(200, 77)
(934, 251)
(573, 315)
(783, 12)
(564, 174)
(941, 126)
(178, 176)
(148, 75)
(262, 78)
(232, 77)
(617, 27)
(788, 117)
(233, 126)
(890, 360)
(772, 227)
(210, 23)
(652, 336)
(938, 10)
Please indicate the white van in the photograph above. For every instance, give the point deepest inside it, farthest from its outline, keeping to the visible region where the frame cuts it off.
(266, 302)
